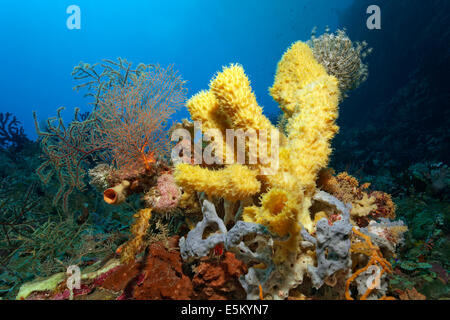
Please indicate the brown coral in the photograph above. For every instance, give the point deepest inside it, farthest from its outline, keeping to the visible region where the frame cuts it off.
(219, 279)
(343, 186)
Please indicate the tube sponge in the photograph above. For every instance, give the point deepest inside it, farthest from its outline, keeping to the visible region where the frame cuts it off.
(117, 194)
(231, 87)
(296, 70)
(233, 183)
(204, 107)
(276, 212)
(310, 96)
(312, 127)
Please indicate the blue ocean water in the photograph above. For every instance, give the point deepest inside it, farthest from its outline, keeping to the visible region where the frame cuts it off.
(197, 36)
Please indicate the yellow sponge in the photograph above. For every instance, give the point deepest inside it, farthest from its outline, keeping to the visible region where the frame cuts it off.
(310, 96)
(235, 182)
(204, 107)
(296, 70)
(277, 212)
(231, 87)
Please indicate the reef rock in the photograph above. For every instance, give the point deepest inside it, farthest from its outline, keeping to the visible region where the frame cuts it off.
(219, 279)
(162, 276)
(158, 276)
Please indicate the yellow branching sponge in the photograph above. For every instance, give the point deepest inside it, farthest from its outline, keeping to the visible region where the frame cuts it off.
(235, 182)
(309, 98)
(204, 108)
(232, 90)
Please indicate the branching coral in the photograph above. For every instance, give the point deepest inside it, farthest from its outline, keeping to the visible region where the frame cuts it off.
(67, 150)
(134, 116)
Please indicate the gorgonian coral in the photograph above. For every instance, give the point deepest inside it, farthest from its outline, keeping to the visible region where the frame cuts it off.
(125, 128)
(66, 150)
(341, 58)
(134, 115)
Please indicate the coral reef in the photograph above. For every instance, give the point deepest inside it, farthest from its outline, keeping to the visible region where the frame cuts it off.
(158, 276)
(283, 227)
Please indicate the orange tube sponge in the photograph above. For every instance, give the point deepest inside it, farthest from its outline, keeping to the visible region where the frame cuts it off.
(117, 194)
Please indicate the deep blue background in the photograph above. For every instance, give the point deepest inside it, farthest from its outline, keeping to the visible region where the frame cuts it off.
(38, 51)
